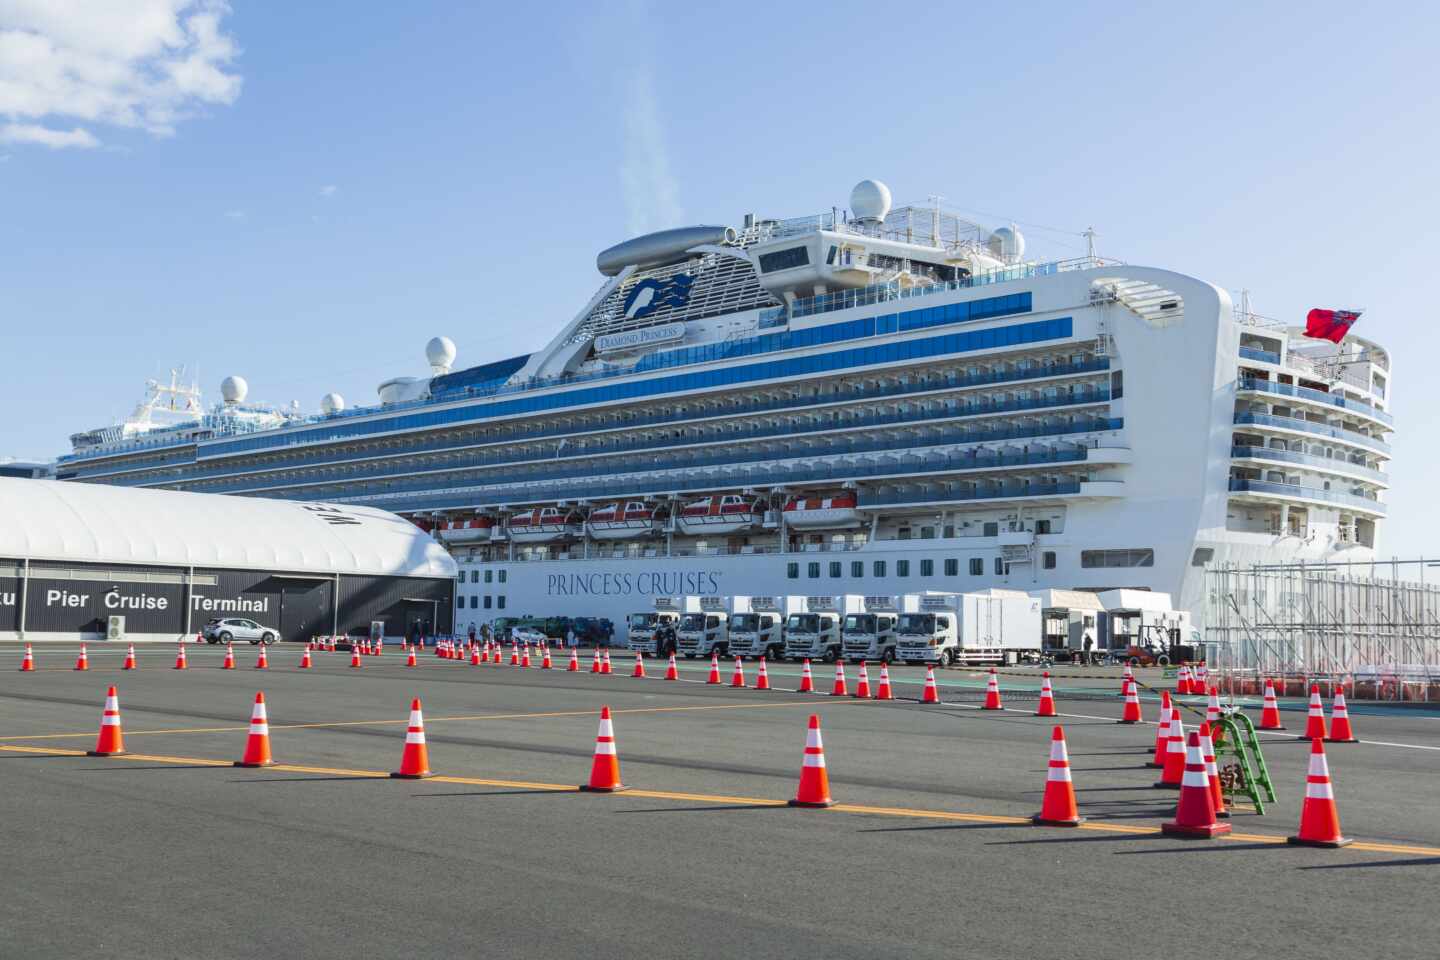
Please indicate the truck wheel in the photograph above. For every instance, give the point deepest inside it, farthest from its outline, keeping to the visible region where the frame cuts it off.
(946, 658)
(830, 655)
(1163, 660)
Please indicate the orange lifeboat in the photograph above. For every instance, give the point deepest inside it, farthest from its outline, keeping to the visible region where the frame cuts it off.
(724, 514)
(819, 513)
(475, 530)
(618, 521)
(545, 523)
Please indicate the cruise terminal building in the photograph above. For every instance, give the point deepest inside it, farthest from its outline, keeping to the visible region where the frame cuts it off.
(81, 561)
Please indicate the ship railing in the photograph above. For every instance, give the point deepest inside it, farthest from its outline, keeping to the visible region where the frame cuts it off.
(1310, 426)
(1239, 485)
(1362, 407)
(1335, 464)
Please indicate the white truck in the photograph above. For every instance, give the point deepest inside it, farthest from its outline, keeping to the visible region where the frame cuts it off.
(703, 628)
(654, 632)
(989, 626)
(815, 634)
(757, 626)
(871, 635)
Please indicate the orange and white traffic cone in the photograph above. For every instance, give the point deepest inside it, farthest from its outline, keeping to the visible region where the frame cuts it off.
(1319, 817)
(476, 657)
(257, 745)
(814, 788)
(1058, 808)
(1162, 732)
(525, 656)
(28, 664)
(605, 662)
(515, 657)
(714, 678)
(737, 679)
(992, 692)
(595, 661)
(129, 663)
(545, 663)
(199, 638)
(355, 656)
(1046, 707)
(807, 679)
(82, 662)
(1128, 677)
(932, 692)
(1212, 707)
(1182, 680)
(1131, 712)
(1315, 722)
(229, 662)
(574, 666)
(497, 653)
(671, 671)
(305, 662)
(840, 688)
(111, 741)
(415, 761)
(762, 677)
(605, 767)
(180, 663)
(1195, 811)
(262, 662)
(1270, 712)
(1340, 731)
(639, 669)
(1212, 771)
(862, 684)
(1173, 773)
(410, 657)
(884, 691)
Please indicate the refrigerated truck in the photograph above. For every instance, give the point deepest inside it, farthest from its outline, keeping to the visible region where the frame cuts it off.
(815, 633)
(757, 625)
(642, 628)
(870, 635)
(988, 626)
(703, 628)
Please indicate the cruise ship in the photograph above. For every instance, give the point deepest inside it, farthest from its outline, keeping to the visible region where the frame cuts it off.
(870, 401)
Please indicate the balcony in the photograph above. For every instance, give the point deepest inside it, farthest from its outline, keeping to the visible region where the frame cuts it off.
(1319, 396)
(1297, 492)
(1331, 464)
(952, 493)
(1261, 356)
(1311, 427)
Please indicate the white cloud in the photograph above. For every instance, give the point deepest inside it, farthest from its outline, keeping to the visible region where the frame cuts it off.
(328, 190)
(652, 197)
(140, 64)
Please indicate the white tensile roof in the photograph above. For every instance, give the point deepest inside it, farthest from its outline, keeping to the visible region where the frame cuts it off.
(77, 522)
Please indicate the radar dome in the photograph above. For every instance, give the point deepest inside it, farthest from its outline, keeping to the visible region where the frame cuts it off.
(440, 352)
(234, 389)
(1007, 243)
(331, 403)
(870, 200)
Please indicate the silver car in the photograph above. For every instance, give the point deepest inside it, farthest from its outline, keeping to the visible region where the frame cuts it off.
(226, 629)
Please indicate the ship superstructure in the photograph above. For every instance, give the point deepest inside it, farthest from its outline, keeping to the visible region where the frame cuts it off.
(861, 402)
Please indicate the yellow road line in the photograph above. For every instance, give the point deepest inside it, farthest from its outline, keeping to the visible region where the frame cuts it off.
(901, 812)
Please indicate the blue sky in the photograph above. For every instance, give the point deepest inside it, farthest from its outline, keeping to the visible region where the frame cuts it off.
(305, 193)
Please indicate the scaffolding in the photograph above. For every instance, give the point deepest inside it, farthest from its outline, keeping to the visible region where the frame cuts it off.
(1371, 629)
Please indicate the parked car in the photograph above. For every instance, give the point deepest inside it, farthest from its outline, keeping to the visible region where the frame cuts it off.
(528, 635)
(226, 629)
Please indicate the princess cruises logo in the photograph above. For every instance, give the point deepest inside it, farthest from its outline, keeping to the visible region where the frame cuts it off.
(651, 294)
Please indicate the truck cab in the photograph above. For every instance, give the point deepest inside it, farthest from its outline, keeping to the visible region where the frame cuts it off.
(814, 634)
(756, 627)
(704, 628)
(925, 631)
(654, 632)
(870, 635)
(986, 626)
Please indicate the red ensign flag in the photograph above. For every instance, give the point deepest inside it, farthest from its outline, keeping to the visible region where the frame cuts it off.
(1329, 324)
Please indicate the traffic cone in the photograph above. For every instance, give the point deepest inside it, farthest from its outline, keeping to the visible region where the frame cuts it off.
(1340, 731)
(807, 680)
(605, 767)
(1173, 773)
(1212, 771)
(305, 663)
(932, 692)
(262, 662)
(595, 661)
(1128, 677)
(1131, 712)
(1270, 713)
(355, 656)
(1162, 732)
(515, 656)
(639, 669)
(180, 663)
(415, 761)
(1047, 697)
(476, 657)
(1058, 808)
(229, 662)
(762, 678)
(199, 638)
(82, 662)
(129, 663)
(497, 654)
(257, 745)
(840, 688)
(574, 666)
(1315, 722)
(992, 692)
(862, 684)
(1195, 812)
(28, 664)
(714, 678)
(605, 662)
(814, 789)
(884, 692)
(379, 646)
(525, 656)
(1182, 680)
(671, 671)
(1319, 818)
(737, 679)
(1212, 708)
(545, 663)
(111, 741)
(410, 657)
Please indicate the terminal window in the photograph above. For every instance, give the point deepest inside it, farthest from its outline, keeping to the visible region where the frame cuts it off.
(1049, 559)
(977, 567)
(500, 600)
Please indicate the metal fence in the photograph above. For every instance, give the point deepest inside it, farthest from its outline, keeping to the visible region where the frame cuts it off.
(1371, 629)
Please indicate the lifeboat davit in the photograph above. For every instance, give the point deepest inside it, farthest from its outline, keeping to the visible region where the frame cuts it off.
(619, 521)
(467, 531)
(817, 513)
(544, 523)
(720, 515)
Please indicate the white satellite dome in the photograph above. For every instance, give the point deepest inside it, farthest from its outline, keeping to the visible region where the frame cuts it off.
(440, 353)
(234, 389)
(1008, 243)
(331, 403)
(870, 200)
